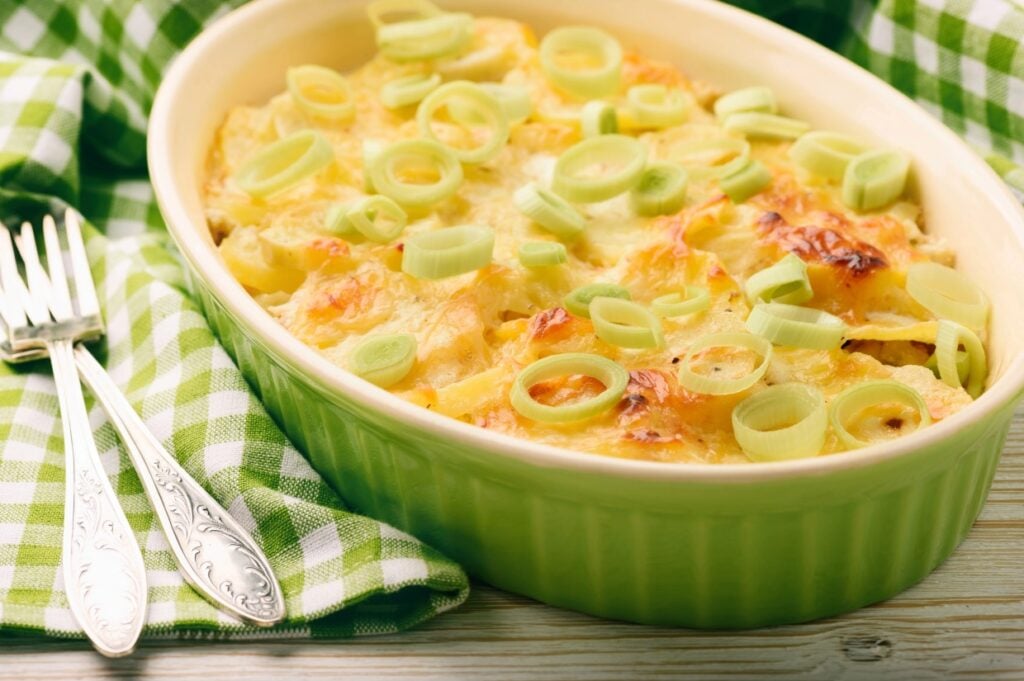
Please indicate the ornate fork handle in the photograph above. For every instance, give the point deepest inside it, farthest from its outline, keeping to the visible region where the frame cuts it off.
(104, 576)
(215, 554)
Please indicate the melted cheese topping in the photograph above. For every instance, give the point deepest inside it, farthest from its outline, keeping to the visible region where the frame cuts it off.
(476, 331)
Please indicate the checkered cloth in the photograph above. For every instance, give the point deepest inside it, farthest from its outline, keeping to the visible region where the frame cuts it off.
(962, 60)
(77, 78)
(72, 129)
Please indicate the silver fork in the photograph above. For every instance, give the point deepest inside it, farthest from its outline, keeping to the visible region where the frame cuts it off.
(104, 576)
(215, 554)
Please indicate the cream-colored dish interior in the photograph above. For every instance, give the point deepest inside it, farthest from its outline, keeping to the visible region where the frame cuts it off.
(963, 202)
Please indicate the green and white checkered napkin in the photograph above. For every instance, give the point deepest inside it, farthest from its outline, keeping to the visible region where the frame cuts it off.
(76, 80)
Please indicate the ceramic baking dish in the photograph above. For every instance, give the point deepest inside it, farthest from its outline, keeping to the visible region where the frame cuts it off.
(722, 546)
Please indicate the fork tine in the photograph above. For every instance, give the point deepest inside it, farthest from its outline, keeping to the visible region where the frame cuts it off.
(13, 312)
(60, 296)
(85, 289)
(38, 287)
(24, 300)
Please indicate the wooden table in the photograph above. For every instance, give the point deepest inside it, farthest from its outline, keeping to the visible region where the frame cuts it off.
(966, 621)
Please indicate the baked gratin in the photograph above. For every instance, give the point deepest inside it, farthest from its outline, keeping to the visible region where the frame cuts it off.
(569, 242)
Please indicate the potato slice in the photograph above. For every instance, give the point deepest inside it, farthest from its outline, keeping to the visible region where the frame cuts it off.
(244, 257)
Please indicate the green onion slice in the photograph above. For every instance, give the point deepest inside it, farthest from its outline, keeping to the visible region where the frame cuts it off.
(478, 105)
(875, 179)
(796, 327)
(749, 180)
(714, 385)
(657, 106)
(371, 149)
(599, 168)
(377, 218)
(759, 98)
(582, 60)
(448, 252)
(625, 323)
(825, 153)
(614, 377)
(598, 118)
(963, 364)
(578, 301)
(947, 294)
(383, 360)
(784, 282)
(336, 221)
(396, 171)
(705, 158)
(695, 299)
(542, 254)
(782, 422)
(408, 90)
(487, 62)
(764, 125)
(848, 404)
(514, 100)
(319, 91)
(379, 11)
(427, 38)
(284, 163)
(947, 343)
(549, 210)
(661, 189)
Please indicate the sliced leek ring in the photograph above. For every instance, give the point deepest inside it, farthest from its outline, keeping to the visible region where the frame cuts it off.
(614, 377)
(383, 360)
(757, 98)
(948, 294)
(713, 385)
(657, 106)
(284, 163)
(875, 179)
(582, 60)
(477, 105)
(625, 323)
(427, 38)
(319, 91)
(864, 395)
(787, 421)
(448, 252)
(795, 326)
(947, 344)
(621, 159)
(696, 299)
(825, 153)
(408, 90)
(386, 167)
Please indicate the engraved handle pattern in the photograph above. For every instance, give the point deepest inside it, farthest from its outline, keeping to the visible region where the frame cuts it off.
(104, 576)
(216, 555)
(222, 560)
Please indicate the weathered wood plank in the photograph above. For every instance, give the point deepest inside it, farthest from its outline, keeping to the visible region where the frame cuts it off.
(965, 621)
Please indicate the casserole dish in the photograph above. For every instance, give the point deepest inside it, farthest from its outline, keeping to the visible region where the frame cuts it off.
(695, 545)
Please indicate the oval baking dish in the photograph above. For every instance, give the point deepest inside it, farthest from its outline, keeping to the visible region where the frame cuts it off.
(719, 546)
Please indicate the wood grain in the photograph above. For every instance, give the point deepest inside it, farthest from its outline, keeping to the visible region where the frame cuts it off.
(965, 621)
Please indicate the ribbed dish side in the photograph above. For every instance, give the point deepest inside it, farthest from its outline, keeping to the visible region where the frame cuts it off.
(684, 569)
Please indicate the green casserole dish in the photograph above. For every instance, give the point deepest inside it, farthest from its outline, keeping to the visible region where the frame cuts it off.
(710, 546)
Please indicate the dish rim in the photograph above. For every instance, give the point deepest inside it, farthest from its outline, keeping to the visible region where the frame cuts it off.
(315, 369)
